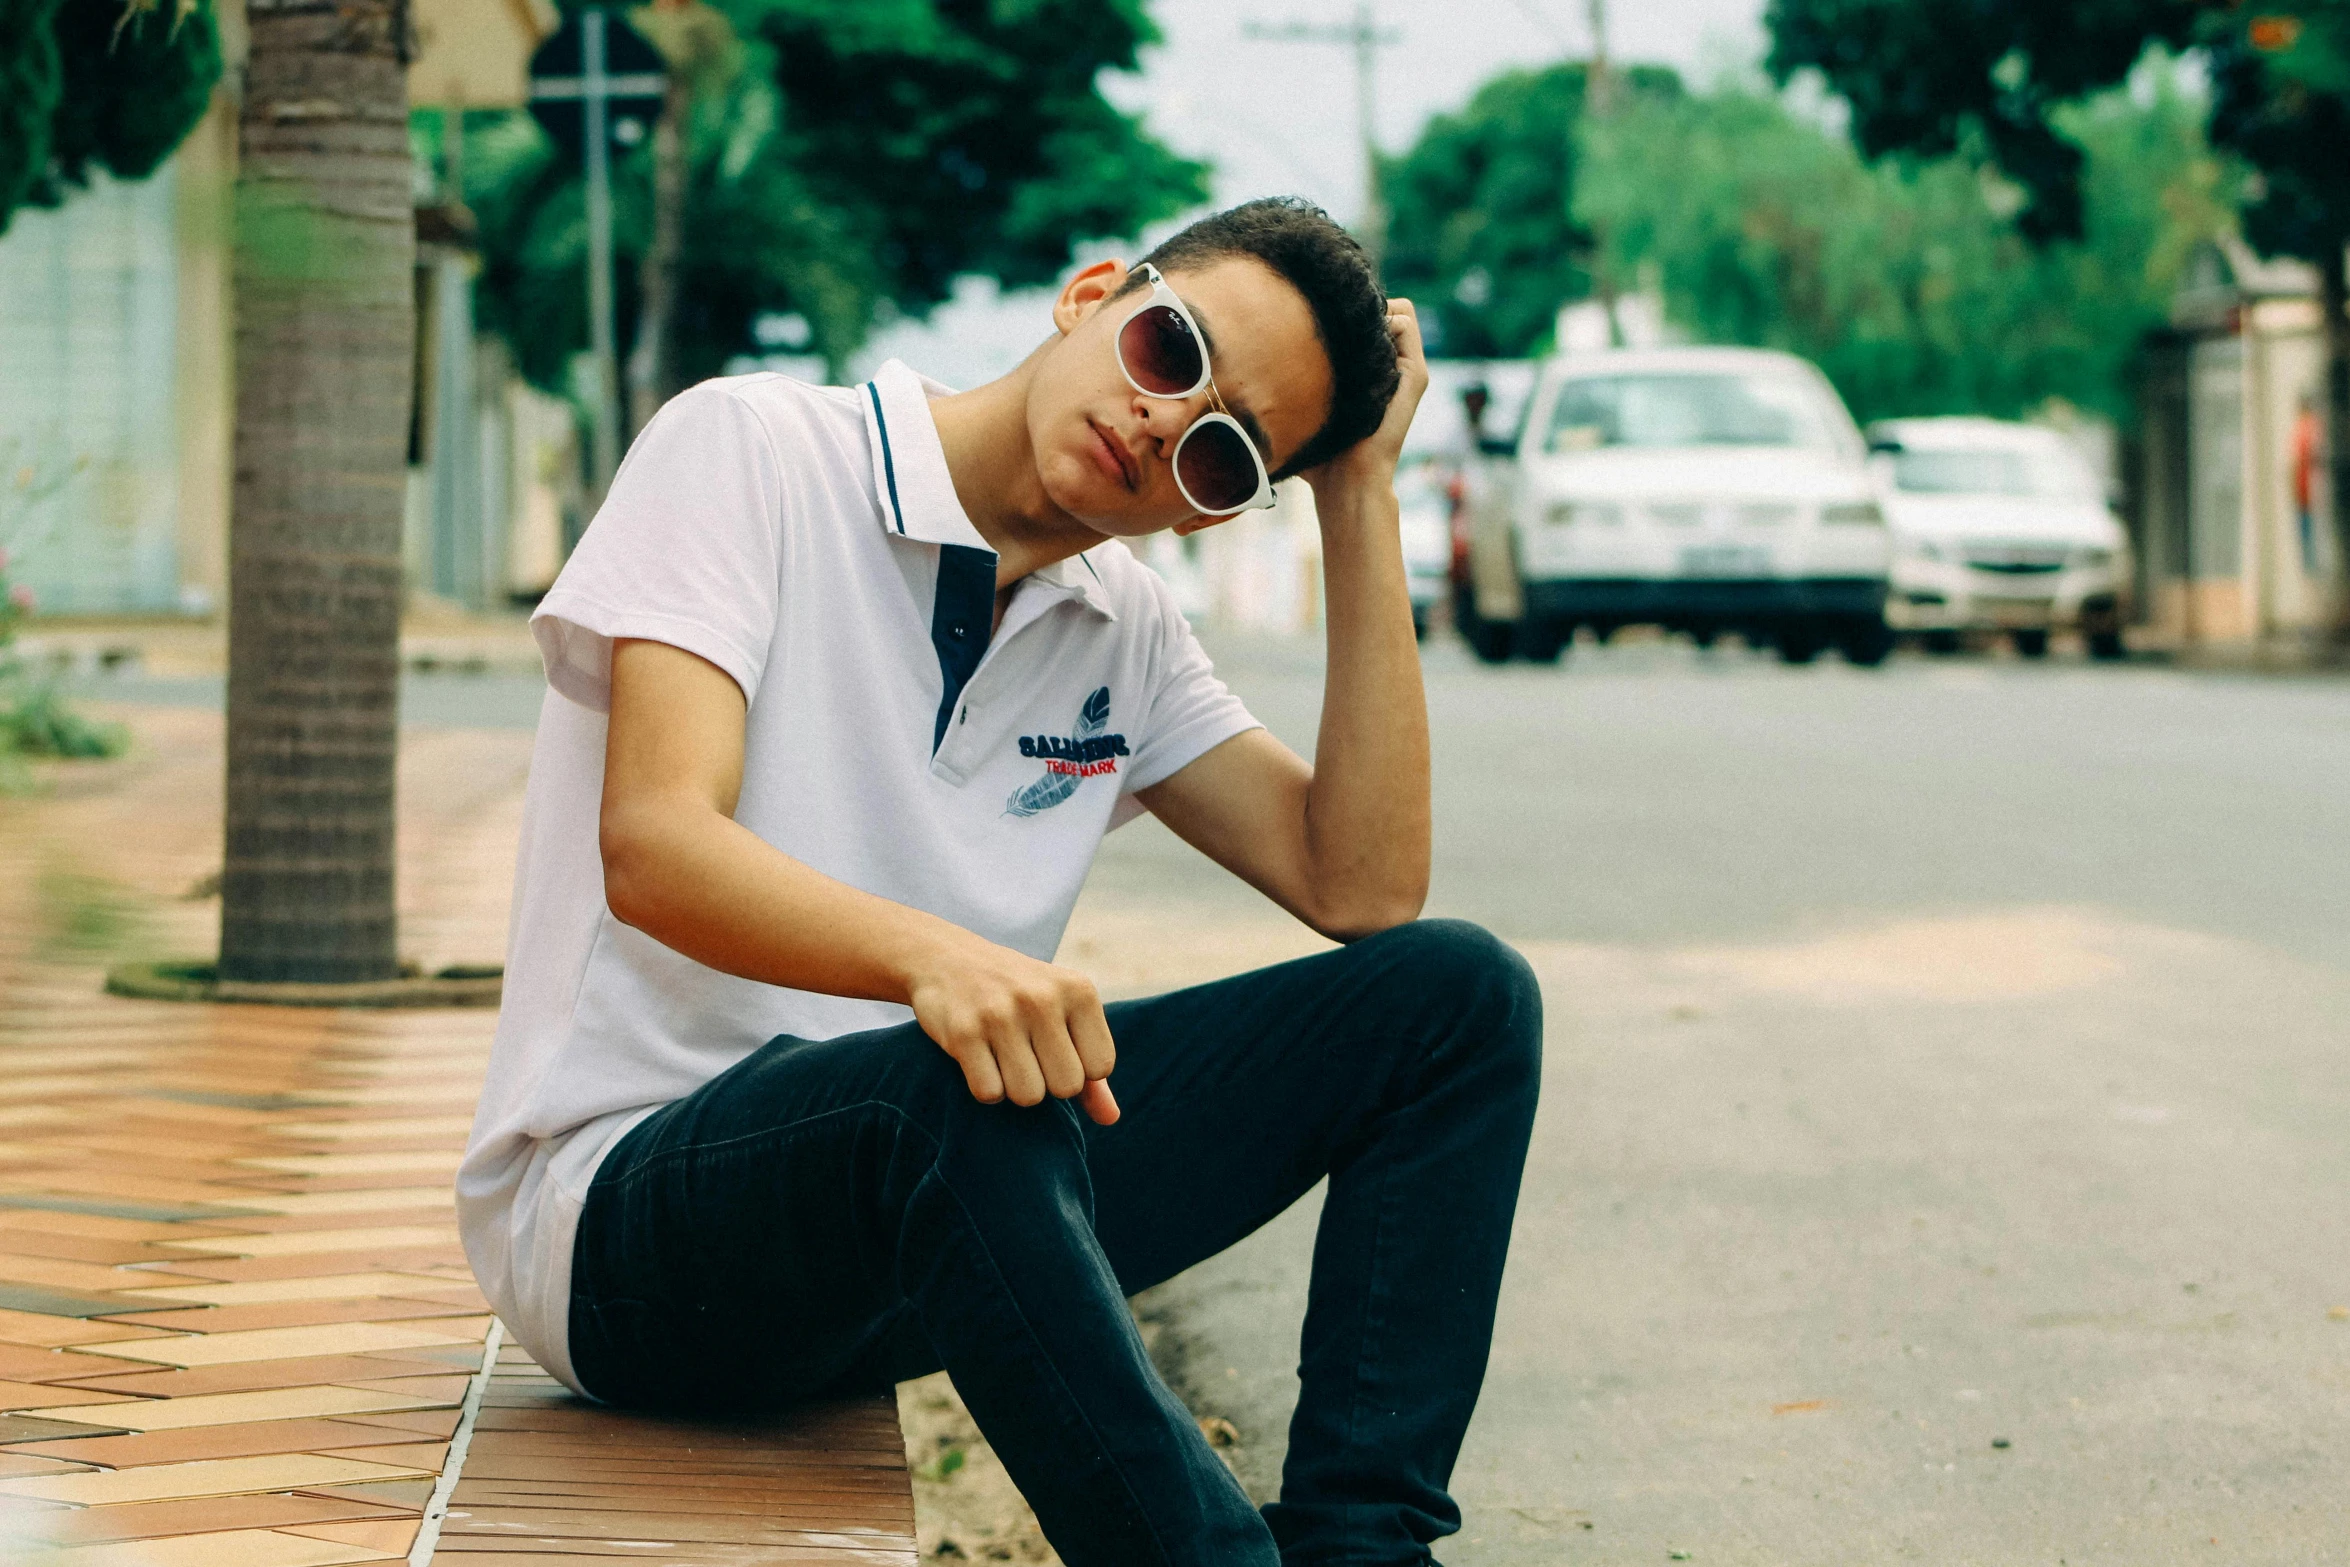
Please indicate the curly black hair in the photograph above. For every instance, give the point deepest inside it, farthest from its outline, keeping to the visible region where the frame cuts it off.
(1323, 262)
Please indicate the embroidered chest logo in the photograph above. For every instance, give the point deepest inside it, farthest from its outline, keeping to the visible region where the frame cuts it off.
(1070, 759)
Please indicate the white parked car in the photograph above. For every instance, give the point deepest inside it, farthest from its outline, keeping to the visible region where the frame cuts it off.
(1999, 527)
(1699, 489)
(1424, 490)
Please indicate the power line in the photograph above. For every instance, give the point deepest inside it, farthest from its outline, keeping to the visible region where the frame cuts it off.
(1364, 37)
(1544, 24)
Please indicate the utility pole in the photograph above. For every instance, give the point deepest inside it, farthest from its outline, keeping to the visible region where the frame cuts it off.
(601, 339)
(1599, 100)
(1363, 36)
(649, 362)
(699, 46)
(1598, 89)
(636, 93)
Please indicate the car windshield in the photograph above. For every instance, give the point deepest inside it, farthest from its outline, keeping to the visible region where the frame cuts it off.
(1689, 409)
(2041, 475)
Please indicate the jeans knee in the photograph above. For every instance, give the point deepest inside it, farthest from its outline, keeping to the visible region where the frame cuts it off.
(1469, 961)
(1491, 989)
(998, 1179)
(1014, 1145)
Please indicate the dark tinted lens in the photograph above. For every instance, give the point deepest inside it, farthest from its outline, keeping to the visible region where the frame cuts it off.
(1217, 466)
(1160, 352)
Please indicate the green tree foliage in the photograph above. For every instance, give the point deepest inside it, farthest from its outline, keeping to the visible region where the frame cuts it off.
(2282, 103)
(1911, 284)
(1927, 77)
(87, 84)
(845, 161)
(1478, 224)
(1932, 79)
(1910, 281)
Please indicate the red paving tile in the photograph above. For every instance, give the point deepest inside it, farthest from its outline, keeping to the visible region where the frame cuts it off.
(130, 1129)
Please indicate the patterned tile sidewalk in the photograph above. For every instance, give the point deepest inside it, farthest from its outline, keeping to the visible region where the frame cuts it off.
(235, 1324)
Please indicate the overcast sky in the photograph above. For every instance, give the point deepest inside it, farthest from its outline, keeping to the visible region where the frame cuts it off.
(1278, 118)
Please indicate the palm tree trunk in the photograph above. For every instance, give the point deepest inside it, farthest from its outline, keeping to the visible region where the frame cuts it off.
(325, 302)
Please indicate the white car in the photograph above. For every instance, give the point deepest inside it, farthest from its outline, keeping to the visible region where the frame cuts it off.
(1999, 527)
(1424, 489)
(1699, 489)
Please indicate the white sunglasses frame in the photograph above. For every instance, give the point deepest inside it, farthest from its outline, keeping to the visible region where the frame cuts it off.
(1161, 294)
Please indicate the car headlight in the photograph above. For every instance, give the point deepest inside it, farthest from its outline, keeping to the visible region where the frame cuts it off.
(2095, 557)
(1924, 549)
(1568, 513)
(1852, 514)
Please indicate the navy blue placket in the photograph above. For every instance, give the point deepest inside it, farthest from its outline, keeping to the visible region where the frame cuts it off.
(962, 614)
(889, 461)
(962, 618)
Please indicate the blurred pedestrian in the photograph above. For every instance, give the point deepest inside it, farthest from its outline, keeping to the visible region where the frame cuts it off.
(2307, 455)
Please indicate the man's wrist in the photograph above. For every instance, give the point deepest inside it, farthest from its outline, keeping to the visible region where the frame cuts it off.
(1348, 501)
(926, 947)
(1349, 476)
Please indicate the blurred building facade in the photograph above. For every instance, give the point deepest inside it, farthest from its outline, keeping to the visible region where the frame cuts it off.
(1259, 571)
(117, 381)
(115, 395)
(2236, 545)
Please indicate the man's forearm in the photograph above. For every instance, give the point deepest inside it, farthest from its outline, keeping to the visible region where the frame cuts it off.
(708, 887)
(702, 884)
(1367, 811)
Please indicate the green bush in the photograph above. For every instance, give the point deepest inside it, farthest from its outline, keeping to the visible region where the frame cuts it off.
(34, 720)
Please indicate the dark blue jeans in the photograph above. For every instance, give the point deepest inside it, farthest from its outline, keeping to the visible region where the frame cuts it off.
(839, 1214)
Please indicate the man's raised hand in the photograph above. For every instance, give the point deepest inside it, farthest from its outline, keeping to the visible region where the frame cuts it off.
(1373, 459)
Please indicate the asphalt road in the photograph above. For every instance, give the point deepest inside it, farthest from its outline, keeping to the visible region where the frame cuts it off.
(1942, 1154)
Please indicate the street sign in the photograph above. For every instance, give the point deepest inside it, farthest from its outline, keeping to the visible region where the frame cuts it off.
(630, 77)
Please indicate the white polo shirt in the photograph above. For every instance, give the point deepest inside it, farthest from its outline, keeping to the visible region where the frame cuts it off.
(808, 542)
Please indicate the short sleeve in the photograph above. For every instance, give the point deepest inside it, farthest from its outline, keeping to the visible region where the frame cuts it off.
(1190, 712)
(686, 550)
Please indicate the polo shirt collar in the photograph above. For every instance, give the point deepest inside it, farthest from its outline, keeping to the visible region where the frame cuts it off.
(910, 477)
(917, 493)
(1077, 578)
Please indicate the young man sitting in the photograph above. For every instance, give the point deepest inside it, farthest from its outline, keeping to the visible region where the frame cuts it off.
(789, 1097)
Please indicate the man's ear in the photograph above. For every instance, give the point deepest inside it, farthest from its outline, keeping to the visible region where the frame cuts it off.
(1083, 293)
